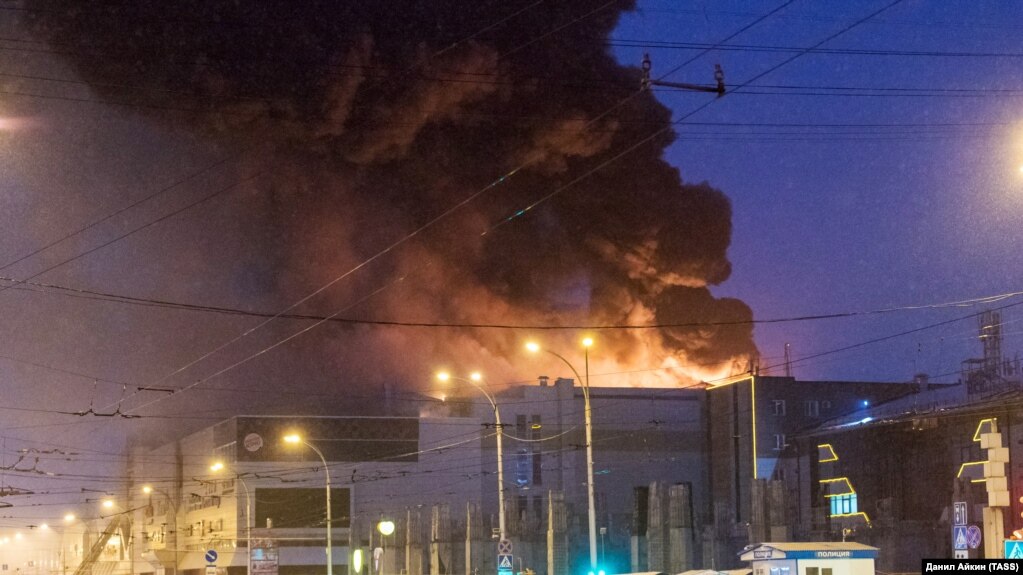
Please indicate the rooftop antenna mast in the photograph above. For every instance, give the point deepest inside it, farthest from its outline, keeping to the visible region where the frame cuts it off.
(719, 78)
(788, 360)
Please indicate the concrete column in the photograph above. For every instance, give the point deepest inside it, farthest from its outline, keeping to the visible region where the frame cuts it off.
(994, 532)
(414, 542)
(657, 528)
(557, 534)
(758, 525)
(473, 536)
(441, 555)
(681, 544)
(640, 514)
(780, 530)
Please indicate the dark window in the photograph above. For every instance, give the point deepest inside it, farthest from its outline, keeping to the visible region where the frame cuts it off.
(812, 571)
(520, 426)
(537, 468)
(779, 441)
(779, 407)
(301, 507)
(812, 408)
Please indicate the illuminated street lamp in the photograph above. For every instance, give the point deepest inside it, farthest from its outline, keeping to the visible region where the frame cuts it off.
(587, 343)
(219, 466)
(385, 527)
(296, 439)
(149, 490)
(475, 379)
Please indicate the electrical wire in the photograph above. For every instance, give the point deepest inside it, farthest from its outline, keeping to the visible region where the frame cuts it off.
(151, 302)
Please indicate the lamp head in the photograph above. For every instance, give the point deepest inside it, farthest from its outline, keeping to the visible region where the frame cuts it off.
(443, 376)
(587, 342)
(68, 518)
(532, 346)
(357, 560)
(108, 503)
(219, 465)
(385, 527)
(476, 376)
(147, 489)
(293, 438)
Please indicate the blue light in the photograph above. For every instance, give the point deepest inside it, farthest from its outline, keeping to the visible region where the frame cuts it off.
(866, 420)
(601, 572)
(866, 403)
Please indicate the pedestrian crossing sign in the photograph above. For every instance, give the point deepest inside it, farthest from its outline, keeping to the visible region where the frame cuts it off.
(959, 537)
(504, 562)
(1013, 549)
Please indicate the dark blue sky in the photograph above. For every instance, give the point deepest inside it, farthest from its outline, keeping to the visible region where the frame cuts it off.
(830, 219)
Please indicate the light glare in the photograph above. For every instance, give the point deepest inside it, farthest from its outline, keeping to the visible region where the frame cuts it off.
(292, 438)
(532, 346)
(475, 376)
(443, 375)
(108, 503)
(587, 341)
(357, 560)
(385, 527)
(218, 465)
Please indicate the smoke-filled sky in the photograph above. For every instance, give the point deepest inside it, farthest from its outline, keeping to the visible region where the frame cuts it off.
(485, 163)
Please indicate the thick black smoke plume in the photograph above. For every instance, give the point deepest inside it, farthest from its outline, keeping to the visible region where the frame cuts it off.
(381, 115)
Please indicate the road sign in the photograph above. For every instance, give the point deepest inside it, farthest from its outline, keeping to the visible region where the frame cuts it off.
(959, 513)
(973, 536)
(504, 547)
(211, 556)
(959, 537)
(1013, 549)
(504, 562)
(962, 554)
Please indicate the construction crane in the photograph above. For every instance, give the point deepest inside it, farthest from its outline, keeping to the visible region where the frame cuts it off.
(719, 78)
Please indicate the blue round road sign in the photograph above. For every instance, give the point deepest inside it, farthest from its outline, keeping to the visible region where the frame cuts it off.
(211, 556)
(973, 536)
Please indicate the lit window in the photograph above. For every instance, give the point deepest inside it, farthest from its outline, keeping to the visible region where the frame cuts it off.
(844, 504)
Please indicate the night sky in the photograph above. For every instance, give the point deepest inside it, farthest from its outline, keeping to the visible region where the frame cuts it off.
(881, 170)
(831, 219)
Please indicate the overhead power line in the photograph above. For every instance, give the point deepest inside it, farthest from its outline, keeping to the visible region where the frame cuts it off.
(166, 304)
(641, 43)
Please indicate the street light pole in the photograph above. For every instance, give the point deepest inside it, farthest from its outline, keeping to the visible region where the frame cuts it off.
(474, 380)
(587, 343)
(589, 456)
(326, 471)
(172, 509)
(385, 527)
(248, 514)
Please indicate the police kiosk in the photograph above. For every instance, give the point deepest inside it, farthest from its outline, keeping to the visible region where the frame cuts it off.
(820, 558)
